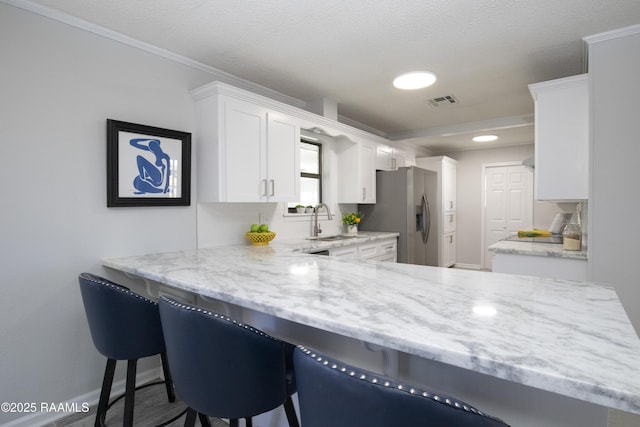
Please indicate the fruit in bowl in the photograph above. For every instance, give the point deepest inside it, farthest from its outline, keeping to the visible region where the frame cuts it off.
(259, 235)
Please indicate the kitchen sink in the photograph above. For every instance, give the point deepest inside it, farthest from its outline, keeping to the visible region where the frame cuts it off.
(331, 238)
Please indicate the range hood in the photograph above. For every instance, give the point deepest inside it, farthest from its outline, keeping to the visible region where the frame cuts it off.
(318, 134)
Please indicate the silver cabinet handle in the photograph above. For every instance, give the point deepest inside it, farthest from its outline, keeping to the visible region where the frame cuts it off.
(364, 194)
(273, 188)
(264, 193)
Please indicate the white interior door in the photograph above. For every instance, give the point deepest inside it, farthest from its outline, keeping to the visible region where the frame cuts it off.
(508, 207)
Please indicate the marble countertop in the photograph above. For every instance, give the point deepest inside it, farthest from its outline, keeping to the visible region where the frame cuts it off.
(572, 340)
(536, 249)
(311, 246)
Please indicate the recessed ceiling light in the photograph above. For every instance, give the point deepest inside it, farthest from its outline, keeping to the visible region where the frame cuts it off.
(414, 80)
(484, 138)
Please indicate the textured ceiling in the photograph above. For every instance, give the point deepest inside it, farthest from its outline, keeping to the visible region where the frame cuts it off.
(484, 52)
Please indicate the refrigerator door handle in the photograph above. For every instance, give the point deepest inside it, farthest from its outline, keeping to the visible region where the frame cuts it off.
(426, 218)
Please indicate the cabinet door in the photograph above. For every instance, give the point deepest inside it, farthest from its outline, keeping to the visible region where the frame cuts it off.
(399, 159)
(283, 153)
(449, 250)
(562, 139)
(368, 172)
(368, 251)
(243, 150)
(356, 172)
(449, 186)
(384, 156)
(449, 222)
(349, 252)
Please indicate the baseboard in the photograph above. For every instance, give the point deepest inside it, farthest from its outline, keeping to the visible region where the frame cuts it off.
(91, 398)
(468, 266)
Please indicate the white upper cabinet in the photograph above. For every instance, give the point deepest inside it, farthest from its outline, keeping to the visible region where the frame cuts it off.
(389, 158)
(245, 152)
(562, 138)
(356, 172)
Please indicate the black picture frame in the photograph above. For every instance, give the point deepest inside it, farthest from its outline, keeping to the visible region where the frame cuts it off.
(147, 166)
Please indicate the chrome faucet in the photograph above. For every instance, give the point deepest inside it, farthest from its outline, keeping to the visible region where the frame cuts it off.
(316, 227)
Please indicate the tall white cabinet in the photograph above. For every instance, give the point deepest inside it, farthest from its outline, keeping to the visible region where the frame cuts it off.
(446, 205)
(246, 152)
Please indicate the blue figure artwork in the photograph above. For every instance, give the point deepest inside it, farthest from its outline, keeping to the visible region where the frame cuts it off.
(152, 177)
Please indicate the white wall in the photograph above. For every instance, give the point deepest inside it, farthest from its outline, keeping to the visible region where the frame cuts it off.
(469, 198)
(614, 66)
(58, 86)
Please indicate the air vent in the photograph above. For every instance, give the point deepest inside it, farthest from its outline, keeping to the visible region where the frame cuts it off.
(442, 101)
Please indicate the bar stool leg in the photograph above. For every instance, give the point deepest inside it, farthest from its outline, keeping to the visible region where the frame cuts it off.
(190, 421)
(103, 404)
(290, 411)
(130, 396)
(233, 422)
(248, 422)
(204, 420)
(168, 380)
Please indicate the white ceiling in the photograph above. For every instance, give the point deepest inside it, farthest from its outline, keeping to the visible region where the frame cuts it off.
(484, 52)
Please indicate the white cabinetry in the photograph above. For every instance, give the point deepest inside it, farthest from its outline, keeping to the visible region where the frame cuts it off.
(382, 250)
(356, 172)
(562, 138)
(246, 152)
(540, 266)
(446, 205)
(389, 158)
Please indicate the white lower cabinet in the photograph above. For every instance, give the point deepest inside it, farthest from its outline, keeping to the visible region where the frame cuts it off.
(382, 250)
(348, 252)
(540, 266)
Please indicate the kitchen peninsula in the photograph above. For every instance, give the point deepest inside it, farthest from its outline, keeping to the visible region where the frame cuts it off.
(539, 259)
(532, 351)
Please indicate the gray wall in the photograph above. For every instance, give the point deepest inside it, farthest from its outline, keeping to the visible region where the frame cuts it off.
(59, 85)
(614, 203)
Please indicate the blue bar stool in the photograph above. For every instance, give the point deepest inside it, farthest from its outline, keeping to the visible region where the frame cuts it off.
(124, 326)
(223, 368)
(334, 394)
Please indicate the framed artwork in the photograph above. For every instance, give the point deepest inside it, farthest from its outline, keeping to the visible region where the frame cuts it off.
(147, 166)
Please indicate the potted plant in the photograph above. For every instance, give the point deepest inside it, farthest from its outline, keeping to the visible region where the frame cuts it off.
(351, 221)
(300, 208)
(309, 209)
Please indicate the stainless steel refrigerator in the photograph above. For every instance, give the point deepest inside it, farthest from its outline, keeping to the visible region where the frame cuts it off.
(406, 203)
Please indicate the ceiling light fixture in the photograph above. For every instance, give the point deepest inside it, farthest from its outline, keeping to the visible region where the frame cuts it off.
(484, 138)
(414, 80)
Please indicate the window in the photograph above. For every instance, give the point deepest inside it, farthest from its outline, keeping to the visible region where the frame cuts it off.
(310, 175)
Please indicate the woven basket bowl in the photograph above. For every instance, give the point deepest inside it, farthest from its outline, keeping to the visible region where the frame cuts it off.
(260, 239)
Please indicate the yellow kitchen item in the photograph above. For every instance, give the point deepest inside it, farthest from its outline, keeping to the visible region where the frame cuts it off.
(534, 233)
(260, 239)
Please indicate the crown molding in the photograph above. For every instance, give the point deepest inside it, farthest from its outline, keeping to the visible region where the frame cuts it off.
(155, 50)
(613, 34)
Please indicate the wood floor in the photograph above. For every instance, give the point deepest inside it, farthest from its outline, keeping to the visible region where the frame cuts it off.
(152, 408)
